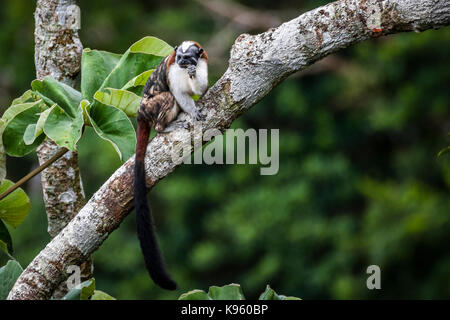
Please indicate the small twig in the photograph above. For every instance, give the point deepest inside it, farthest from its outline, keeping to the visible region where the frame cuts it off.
(57, 155)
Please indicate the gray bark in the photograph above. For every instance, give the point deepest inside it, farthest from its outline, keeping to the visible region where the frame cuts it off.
(58, 54)
(257, 64)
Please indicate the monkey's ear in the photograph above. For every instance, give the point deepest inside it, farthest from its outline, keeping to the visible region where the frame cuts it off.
(176, 48)
(200, 51)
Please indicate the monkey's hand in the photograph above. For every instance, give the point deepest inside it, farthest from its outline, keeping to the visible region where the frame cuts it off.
(191, 70)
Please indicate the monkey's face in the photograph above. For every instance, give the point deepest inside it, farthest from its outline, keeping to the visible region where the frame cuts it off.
(187, 53)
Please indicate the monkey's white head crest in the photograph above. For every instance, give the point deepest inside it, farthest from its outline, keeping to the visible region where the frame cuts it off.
(185, 45)
(188, 53)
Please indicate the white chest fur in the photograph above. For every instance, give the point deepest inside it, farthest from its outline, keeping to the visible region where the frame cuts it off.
(179, 80)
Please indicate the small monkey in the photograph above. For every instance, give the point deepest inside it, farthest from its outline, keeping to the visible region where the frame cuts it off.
(169, 89)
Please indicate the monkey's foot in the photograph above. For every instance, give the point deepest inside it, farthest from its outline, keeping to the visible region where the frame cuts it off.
(198, 116)
(175, 126)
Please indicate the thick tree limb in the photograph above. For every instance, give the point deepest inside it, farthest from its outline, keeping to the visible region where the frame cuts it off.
(58, 54)
(257, 64)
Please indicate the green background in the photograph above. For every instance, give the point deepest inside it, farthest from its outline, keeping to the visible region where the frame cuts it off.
(359, 182)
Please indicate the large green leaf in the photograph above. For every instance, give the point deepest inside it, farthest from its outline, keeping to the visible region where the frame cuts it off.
(5, 239)
(14, 208)
(63, 129)
(8, 277)
(139, 80)
(53, 91)
(125, 100)
(142, 56)
(153, 46)
(112, 125)
(18, 117)
(95, 67)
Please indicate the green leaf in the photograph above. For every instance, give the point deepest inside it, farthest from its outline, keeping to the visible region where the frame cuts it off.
(195, 295)
(95, 67)
(110, 122)
(88, 290)
(5, 239)
(142, 56)
(100, 295)
(228, 292)
(27, 100)
(124, 100)
(153, 46)
(14, 208)
(139, 80)
(35, 130)
(15, 109)
(82, 291)
(270, 294)
(112, 125)
(62, 128)
(28, 96)
(18, 118)
(8, 277)
(53, 91)
(28, 136)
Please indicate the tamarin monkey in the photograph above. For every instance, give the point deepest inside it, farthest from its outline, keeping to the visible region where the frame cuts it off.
(181, 75)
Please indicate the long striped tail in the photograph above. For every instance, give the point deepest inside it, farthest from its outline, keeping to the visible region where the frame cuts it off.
(154, 261)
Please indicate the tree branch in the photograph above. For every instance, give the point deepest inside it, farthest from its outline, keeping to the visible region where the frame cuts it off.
(257, 64)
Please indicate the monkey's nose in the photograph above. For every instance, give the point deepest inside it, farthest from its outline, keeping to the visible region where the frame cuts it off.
(184, 62)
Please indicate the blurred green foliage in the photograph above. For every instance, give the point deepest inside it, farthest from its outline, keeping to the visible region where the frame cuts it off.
(359, 182)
